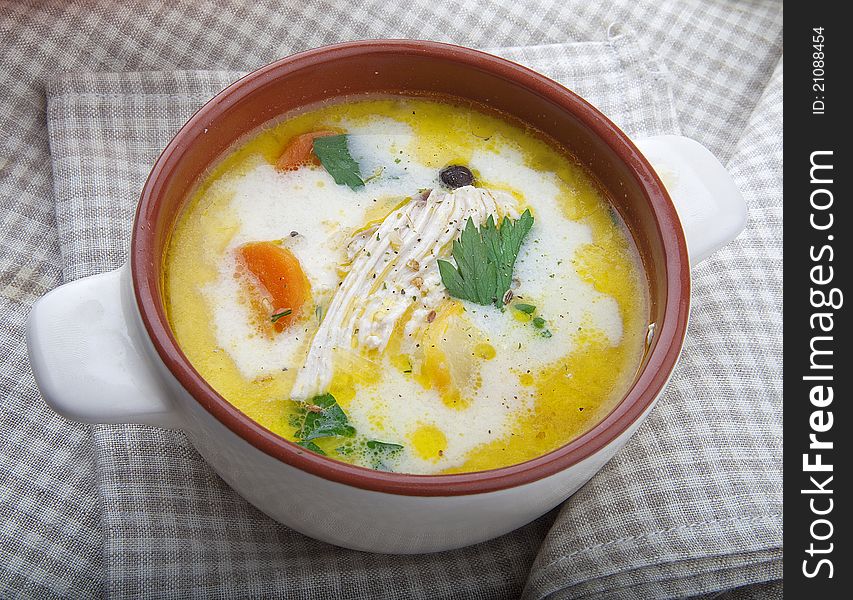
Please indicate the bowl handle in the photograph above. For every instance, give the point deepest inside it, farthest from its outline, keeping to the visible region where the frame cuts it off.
(87, 353)
(709, 204)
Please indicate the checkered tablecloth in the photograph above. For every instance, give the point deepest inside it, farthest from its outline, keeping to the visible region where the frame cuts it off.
(691, 506)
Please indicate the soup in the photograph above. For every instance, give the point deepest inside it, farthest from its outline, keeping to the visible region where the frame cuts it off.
(408, 284)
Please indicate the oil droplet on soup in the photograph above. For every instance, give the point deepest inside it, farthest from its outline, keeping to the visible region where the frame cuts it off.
(405, 376)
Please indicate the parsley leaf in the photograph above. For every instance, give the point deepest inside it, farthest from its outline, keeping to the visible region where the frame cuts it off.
(334, 155)
(383, 446)
(282, 313)
(527, 309)
(485, 258)
(329, 421)
(312, 447)
(322, 417)
(381, 452)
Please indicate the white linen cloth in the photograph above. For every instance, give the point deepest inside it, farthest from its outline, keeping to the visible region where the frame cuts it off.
(691, 506)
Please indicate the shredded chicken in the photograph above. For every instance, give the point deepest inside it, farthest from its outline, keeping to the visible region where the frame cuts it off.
(392, 267)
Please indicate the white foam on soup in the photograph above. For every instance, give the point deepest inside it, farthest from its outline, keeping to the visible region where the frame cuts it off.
(405, 406)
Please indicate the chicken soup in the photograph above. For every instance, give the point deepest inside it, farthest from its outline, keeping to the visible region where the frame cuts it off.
(408, 284)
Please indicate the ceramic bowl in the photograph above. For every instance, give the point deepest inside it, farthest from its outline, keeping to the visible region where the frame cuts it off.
(102, 350)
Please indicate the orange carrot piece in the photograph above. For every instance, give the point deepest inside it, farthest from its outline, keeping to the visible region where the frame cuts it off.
(280, 275)
(300, 151)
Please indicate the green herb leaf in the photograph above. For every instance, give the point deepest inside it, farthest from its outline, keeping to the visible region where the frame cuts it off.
(472, 260)
(345, 450)
(547, 333)
(381, 452)
(614, 216)
(280, 314)
(452, 280)
(334, 155)
(329, 421)
(538, 322)
(512, 236)
(528, 309)
(485, 258)
(312, 447)
(377, 173)
(383, 446)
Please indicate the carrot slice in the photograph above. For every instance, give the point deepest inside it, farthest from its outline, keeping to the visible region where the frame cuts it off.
(300, 151)
(282, 280)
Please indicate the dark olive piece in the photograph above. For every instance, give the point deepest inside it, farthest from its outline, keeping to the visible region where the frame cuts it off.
(456, 176)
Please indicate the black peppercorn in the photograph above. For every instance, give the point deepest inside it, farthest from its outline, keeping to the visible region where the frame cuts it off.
(456, 176)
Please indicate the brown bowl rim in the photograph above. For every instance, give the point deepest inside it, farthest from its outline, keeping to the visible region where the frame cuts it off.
(647, 386)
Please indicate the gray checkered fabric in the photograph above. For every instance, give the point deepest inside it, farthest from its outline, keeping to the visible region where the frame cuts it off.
(691, 506)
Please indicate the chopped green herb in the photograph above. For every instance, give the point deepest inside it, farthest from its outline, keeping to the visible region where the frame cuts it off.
(295, 419)
(322, 417)
(376, 174)
(381, 452)
(329, 421)
(345, 450)
(333, 152)
(528, 309)
(384, 446)
(282, 313)
(547, 333)
(614, 216)
(318, 312)
(312, 447)
(538, 322)
(485, 258)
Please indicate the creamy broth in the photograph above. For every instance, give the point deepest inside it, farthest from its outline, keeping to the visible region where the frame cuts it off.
(447, 385)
